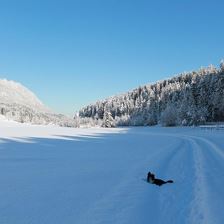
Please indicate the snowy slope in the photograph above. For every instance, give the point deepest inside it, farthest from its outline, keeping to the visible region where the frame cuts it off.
(93, 176)
(20, 104)
(14, 93)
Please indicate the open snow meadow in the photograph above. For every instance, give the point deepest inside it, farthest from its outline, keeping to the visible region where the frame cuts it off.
(52, 175)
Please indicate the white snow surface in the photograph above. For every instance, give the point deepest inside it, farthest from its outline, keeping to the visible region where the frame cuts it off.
(92, 176)
(12, 92)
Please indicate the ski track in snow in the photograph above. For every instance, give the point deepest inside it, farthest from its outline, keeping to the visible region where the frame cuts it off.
(93, 176)
(208, 161)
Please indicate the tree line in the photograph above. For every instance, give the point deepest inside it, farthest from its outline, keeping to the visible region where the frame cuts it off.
(191, 98)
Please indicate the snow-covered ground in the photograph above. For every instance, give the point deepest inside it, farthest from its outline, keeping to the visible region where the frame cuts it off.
(51, 175)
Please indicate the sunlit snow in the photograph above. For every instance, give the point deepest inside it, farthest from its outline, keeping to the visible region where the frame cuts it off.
(87, 176)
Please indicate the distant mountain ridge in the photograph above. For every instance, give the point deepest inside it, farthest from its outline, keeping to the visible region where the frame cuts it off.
(187, 99)
(20, 104)
(14, 93)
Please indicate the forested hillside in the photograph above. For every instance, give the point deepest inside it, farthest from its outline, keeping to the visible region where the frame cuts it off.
(187, 99)
(20, 104)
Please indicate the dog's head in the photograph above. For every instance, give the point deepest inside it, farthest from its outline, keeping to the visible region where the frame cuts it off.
(151, 175)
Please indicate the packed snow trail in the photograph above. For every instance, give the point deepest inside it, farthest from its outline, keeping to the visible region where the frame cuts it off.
(92, 176)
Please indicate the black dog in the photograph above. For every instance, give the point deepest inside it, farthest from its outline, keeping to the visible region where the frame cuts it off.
(151, 179)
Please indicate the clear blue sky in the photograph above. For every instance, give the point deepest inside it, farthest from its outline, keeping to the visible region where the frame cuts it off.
(71, 53)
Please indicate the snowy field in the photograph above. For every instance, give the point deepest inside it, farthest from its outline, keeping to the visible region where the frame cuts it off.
(51, 175)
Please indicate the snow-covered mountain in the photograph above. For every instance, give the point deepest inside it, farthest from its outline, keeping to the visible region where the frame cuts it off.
(20, 104)
(14, 93)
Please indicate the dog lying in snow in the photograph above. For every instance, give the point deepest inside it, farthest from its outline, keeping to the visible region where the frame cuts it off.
(151, 179)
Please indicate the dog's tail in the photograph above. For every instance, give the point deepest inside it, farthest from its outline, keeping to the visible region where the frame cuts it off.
(169, 181)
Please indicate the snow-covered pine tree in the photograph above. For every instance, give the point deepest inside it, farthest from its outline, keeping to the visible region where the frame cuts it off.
(222, 65)
(108, 120)
(169, 116)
